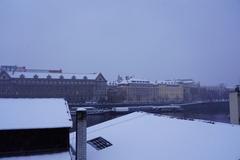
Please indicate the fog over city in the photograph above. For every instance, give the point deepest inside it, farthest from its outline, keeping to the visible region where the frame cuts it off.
(151, 39)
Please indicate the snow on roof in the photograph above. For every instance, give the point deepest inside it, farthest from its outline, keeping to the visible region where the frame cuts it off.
(34, 114)
(176, 81)
(135, 81)
(166, 82)
(91, 76)
(83, 109)
(185, 81)
(141, 136)
(54, 156)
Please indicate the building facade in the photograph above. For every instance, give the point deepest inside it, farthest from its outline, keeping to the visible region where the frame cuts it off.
(138, 91)
(169, 93)
(133, 90)
(19, 82)
(188, 87)
(143, 91)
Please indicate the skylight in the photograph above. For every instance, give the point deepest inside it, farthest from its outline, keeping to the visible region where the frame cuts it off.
(99, 143)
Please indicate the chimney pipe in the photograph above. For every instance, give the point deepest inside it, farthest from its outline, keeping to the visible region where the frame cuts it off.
(81, 134)
(234, 103)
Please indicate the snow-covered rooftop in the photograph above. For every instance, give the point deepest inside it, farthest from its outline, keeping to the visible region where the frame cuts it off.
(166, 82)
(34, 113)
(91, 76)
(135, 81)
(141, 136)
(177, 81)
(54, 156)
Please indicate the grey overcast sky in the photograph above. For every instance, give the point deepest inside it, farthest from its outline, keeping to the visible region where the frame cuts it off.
(151, 39)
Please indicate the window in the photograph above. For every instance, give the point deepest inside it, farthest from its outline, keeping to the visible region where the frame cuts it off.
(35, 76)
(22, 76)
(49, 77)
(99, 143)
(73, 77)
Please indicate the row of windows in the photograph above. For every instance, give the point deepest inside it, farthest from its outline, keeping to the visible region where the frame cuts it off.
(51, 89)
(44, 94)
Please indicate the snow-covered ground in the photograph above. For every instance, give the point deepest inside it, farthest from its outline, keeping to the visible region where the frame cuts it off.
(142, 136)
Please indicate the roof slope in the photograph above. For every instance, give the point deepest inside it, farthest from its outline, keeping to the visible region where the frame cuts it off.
(33, 114)
(141, 136)
(91, 76)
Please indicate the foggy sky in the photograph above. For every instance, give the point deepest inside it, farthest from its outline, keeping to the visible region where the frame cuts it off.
(151, 39)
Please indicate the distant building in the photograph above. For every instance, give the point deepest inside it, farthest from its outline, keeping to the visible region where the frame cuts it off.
(169, 93)
(136, 91)
(190, 88)
(34, 127)
(131, 90)
(20, 82)
(116, 94)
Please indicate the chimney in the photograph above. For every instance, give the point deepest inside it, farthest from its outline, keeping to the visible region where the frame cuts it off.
(81, 134)
(234, 102)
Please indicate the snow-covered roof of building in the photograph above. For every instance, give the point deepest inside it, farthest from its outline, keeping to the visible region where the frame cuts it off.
(169, 82)
(34, 114)
(135, 81)
(176, 81)
(91, 76)
(53, 156)
(185, 81)
(141, 136)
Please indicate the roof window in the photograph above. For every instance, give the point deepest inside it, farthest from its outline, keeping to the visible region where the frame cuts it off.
(73, 77)
(99, 143)
(35, 76)
(22, 76)
(49, 77)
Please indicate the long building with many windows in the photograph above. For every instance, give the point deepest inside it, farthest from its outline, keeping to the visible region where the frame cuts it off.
(20, 82)
(133, 90)
(144, 91)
